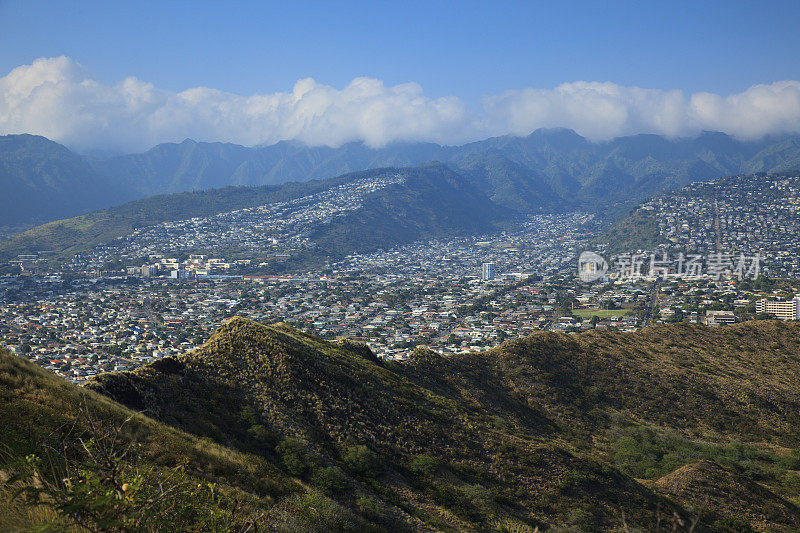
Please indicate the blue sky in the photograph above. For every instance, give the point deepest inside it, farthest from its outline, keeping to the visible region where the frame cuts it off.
(462, 48)
(469, 50)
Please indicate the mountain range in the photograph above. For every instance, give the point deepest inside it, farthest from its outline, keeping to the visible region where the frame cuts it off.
(42, 181)
(563, 160)
(676, 427)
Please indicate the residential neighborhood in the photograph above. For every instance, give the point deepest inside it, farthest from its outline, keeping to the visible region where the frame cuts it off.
(168, 288)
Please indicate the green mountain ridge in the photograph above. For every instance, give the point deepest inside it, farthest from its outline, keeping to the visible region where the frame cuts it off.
(567, 162)
(547, 430)
(432, 202)
(41, 180)
(549, 167)
(47, 419)
(596, 431)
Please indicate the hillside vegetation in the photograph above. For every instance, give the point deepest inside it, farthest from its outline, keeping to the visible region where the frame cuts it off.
(553, 430)
(265, 428)
(73, 460)
(639, 230)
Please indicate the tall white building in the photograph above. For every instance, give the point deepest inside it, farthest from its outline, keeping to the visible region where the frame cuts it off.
(487, 271)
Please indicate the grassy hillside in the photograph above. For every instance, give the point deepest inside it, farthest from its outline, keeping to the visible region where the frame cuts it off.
(668, 397)
(426, 453)
(268, 428)
(638, 231)
(553, 430)
(73, 460)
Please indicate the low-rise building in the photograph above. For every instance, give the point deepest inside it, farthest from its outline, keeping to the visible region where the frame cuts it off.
(783, 310)
(719, 318)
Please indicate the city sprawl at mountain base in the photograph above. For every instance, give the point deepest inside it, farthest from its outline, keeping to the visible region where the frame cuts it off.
(524, 267)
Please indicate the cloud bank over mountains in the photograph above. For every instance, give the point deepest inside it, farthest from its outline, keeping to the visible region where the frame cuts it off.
(58, 98)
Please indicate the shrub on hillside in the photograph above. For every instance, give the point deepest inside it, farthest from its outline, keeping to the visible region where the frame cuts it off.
(361, 461)
(294, 456)
(424, 465)
(330, 479)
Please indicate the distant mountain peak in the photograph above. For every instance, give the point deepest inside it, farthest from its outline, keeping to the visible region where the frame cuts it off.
(540, 132)
(563, 138)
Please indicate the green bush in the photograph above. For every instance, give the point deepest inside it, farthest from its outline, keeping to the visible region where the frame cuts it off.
(424, 465)
(644, 453)
(294, 456)
(370, 506)
(791, 461)
(736, 525)
(313, 511)
(581, 519)
(478, 495)
(262, 434)
(791, 480)
(122, 497)
(361, 461)
(330, 479)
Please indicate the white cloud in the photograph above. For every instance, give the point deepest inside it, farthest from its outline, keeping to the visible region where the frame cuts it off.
(598, 111)
(758, 111)
(58, 98)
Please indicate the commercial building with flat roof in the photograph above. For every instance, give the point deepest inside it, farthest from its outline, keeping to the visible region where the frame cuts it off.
(787, 310)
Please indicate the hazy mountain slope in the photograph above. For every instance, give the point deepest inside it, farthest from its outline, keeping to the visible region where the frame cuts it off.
(190, 165)
(41, 180)
(560, 155)
(630, 168)
(528, 432)
(626, 167)
(187, 166)
(510, 184)
(272, 164)
(783, 155)
(432, 202)
(577, 170)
